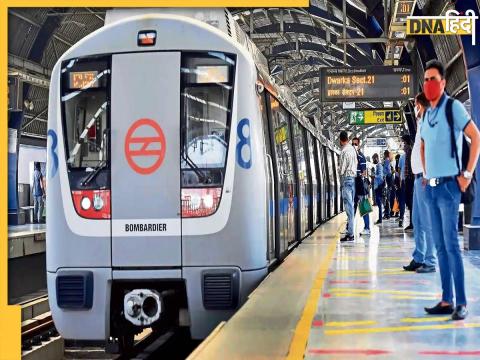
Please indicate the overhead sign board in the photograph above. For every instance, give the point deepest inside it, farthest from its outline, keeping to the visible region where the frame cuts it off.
(376, 142)
(372, 117)
(370, 83)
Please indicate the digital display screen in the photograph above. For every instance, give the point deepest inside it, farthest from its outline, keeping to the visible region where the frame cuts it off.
(81, 79)
(371, 83)
(212, 74)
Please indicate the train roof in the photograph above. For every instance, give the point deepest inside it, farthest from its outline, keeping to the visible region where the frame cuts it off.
(223, 20)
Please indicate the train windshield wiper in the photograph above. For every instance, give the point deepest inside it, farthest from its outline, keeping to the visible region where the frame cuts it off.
(101, 165)
(203, 178)
(184, 153)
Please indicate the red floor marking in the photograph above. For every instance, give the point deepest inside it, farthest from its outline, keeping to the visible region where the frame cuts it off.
(411, 282)
(347, 351)
(349, 281)
(327, 295)
(317, 323)
(460, 353)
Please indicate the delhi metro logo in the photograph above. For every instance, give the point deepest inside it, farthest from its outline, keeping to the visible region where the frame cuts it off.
(145, 146)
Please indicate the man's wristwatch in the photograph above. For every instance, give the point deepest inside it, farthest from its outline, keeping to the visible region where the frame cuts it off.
(467, 175)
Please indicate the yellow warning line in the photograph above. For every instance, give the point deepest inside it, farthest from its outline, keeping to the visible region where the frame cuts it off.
(302, 330)
(401, 329)
(349, 323)
(426, 319)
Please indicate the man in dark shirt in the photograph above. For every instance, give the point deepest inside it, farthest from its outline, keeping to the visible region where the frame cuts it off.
(360, 190)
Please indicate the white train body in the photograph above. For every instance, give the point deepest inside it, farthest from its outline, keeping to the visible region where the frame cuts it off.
(165, 205)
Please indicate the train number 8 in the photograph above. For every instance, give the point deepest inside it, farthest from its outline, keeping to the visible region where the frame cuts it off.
(244, 148)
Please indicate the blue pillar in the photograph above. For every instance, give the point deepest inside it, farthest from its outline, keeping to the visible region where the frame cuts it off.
(472, 63)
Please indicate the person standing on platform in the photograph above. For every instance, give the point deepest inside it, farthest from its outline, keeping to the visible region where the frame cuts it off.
(360, 189)
(38, 193)
(424, 253)
(387, 173)
(401, 189)
(378, 184)
(441, 153)
(348, 172)
(408, 177)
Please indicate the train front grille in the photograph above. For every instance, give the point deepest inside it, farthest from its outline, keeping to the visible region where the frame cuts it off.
(220, 290)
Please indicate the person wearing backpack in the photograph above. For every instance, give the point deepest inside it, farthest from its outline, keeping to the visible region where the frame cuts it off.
(423, 256)
(442, 148)
(361, 184)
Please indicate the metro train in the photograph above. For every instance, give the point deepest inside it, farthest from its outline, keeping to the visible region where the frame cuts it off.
(179, 172)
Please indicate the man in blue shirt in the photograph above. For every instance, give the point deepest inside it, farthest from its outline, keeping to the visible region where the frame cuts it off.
(378, 184)
(38, 192)
(446, 181)
(387, 173)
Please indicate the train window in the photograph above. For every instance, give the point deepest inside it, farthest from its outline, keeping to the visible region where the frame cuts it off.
(85, 107)
(282, 142)
(207, 92)
(299, 150)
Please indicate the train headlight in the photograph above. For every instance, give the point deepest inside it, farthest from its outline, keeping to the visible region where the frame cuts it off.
(97, 202)
(92, 204)
(85, 203)
(208, 201)
(197, 202)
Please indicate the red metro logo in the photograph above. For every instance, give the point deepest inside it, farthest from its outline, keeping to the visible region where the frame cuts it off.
(145, 146)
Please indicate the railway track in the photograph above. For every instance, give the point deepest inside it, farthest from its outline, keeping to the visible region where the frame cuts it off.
(38, 330)
(172, 345)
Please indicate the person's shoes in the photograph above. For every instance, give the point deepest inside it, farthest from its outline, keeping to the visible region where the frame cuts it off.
(378, 222)
(413, 266)
(460, 312)
(365, 232)
(409, 228)
(386, 217)
(440, 309)
(425, 269)
(347, 238)
(400, 223)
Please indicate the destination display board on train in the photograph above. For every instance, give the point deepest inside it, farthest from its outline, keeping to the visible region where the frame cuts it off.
(371, 83)
(372, 117)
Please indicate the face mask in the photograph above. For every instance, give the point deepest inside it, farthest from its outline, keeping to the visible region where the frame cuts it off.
(432, 89)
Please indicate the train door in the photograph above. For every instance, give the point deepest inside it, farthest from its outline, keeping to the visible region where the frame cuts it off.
(328, 183)
(321, 182)
(145, 148)
(340, 199)
(302, 178)
(337, 183)
(287, 192)
(270, 183)
(312, 171)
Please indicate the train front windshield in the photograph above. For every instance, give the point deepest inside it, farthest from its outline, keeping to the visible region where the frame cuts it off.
(206, 95)
(85, 100)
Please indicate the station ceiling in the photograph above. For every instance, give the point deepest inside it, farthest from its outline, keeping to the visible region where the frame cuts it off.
(296, 41)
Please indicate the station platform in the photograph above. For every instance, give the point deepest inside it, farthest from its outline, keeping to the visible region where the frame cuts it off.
(26, 239)
(26, 262)
(343, 300)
